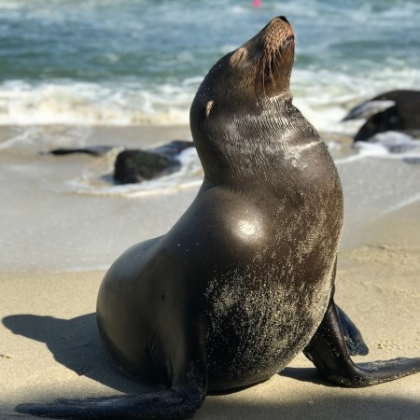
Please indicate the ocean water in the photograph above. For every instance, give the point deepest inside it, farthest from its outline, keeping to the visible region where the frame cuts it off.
(123, 73)
(140, 61)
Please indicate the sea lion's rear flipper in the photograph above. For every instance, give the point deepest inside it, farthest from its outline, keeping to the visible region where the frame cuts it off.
(328, 351)
(356, 346)
(186, 366)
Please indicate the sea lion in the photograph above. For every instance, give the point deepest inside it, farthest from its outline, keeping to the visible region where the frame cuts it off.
(245, 279)
(397, 110)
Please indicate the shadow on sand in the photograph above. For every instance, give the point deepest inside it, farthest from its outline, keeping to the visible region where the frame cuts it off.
(76, 345)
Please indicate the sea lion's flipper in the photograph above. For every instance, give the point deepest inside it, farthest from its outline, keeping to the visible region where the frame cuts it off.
(160, 405)
(356, 346)
(328, 351)
(167, 404)
(188, 374)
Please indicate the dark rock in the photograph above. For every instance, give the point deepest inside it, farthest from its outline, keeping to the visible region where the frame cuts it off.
(133, 166)
(136, 165)
(93, 151)
(401, 112)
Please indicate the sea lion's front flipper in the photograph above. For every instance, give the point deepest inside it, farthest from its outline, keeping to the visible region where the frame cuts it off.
(167, 404)
(356, 346)
(328, 351)
(188, 374)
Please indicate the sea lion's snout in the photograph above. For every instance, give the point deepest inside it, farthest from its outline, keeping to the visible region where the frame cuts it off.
(278, 34)
(277, 44)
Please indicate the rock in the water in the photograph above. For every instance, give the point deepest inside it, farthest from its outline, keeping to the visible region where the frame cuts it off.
(93, 150)
(136, 165)
(133, 166)
(397, 110)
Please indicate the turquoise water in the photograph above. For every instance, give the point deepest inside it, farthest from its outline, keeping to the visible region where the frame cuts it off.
(141, 61)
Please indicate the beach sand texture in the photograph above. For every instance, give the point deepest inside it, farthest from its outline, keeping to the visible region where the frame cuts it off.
(57, 243)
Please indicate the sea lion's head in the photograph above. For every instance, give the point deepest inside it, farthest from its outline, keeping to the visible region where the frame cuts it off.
(246, 88)
(258, 70)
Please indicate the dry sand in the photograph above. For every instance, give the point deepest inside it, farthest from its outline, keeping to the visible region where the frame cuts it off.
(49, 346)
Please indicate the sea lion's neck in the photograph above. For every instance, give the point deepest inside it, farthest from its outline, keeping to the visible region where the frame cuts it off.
(261, 150)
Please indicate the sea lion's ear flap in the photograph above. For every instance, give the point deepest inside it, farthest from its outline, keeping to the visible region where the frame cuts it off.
(238, 56)
(209, 106)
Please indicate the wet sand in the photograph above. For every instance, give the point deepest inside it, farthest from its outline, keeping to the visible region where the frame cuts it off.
(48, 342)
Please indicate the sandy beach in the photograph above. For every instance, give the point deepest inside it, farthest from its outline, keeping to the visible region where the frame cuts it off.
(123, 74)
(56, 251)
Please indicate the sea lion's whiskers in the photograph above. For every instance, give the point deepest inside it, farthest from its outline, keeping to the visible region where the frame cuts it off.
(262, 69)
(278, 59)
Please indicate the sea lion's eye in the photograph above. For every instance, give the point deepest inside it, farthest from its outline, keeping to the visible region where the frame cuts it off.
(238, 56)
(209, 106)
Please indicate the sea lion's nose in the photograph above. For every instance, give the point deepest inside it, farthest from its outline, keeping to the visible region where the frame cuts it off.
(283, 18)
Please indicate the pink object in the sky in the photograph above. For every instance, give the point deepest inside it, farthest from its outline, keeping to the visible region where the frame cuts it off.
(256, 3)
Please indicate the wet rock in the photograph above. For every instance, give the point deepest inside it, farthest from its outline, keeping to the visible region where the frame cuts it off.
(397, 110)
(133, 166)
(93, 151)
(136, 165)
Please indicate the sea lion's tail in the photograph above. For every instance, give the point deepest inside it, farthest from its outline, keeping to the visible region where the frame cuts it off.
(168, 404)
(329, 352)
